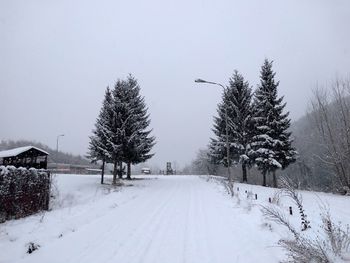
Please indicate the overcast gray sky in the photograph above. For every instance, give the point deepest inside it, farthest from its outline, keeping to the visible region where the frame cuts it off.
(57, 57)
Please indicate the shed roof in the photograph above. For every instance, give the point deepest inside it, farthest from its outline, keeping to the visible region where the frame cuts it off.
(16, 151)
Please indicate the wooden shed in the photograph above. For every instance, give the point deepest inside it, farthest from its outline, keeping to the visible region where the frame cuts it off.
(27, 156)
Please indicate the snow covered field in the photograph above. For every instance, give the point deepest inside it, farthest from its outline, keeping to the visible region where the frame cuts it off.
(161, 219)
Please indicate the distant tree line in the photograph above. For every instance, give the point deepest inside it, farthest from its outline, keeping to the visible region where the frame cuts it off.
(258, 128)
(121, 133)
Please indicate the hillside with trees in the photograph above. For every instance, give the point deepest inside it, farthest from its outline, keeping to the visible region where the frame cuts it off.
(322, 137)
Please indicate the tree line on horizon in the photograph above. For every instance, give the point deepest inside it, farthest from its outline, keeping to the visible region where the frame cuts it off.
(121, 133)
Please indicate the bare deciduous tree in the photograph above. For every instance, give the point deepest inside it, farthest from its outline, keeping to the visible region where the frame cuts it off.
(331, 116)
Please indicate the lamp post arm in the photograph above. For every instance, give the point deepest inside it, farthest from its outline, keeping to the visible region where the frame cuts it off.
(218, 84)
(210, 82)
(222, 86)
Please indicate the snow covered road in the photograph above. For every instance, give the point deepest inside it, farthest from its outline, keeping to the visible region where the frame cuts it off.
(164, 219)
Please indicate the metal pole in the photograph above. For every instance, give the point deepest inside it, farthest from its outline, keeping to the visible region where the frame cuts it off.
(57, 141)
(227, 139)
(226, 123)
(57, 144)
(227, 147)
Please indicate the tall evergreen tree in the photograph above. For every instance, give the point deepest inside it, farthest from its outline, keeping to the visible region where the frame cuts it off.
(121, 131)
(131, 134)
(120, 110)
(271, 146)
(99, 146)
(237, 102)
(240, 120)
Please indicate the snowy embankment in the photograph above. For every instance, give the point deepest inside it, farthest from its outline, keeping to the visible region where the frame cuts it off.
(156, 219)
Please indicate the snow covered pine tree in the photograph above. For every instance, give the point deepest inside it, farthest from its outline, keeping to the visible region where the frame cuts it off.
(132, 121)
(99, 146)
(271, 146)
(240, 120)
(237, 100)
(120, 106)
(120, 133)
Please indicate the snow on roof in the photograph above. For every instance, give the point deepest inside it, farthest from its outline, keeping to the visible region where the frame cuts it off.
(16, 151)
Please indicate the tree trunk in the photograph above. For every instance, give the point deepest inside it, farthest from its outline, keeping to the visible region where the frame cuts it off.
(274, 179)
(244, 172)
(120, 171)
(103, 170)
(115, 173)
(128, 174)
(264, 179)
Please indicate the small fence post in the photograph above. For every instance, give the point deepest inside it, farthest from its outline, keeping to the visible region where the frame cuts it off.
(290, 211)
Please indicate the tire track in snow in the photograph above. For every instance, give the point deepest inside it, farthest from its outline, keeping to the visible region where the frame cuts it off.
(205, 239)
(152, 228)
(186, 229)
(136, 224)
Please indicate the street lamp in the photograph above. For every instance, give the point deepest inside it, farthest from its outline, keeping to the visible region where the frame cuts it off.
(61, 135)
(226, 122)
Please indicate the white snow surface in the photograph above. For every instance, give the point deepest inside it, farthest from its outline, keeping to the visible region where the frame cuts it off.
(165, 219)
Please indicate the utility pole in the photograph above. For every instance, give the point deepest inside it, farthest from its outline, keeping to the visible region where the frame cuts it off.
(226, 128)
(58, 136)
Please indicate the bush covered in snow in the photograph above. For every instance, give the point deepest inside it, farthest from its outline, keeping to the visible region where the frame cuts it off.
(23, 191)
